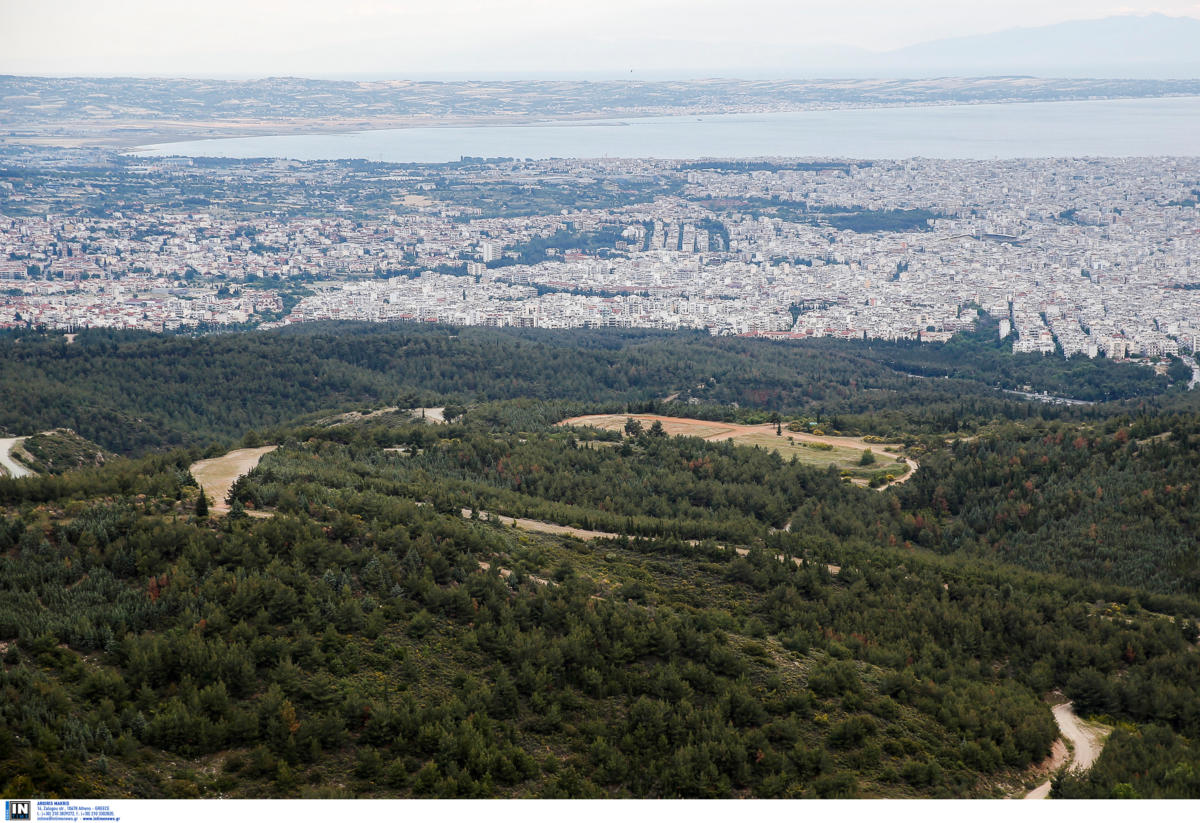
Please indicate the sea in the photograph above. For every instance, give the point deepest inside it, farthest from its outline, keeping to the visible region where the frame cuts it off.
(1140, 127)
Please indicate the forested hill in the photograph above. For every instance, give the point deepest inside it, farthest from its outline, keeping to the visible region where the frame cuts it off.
(130, 392)
(979, 355)
(361, 624)
(368, 639)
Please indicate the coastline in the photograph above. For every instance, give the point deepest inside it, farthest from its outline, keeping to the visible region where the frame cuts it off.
(146, 135)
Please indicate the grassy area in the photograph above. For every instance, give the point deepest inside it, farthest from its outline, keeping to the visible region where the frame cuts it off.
(846, 453)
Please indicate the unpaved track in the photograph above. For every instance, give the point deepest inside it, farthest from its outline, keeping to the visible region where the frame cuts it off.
(541, 526)
(217, 475)
(913, 465)
(586, 534)
(11, 467)
(1088, 739)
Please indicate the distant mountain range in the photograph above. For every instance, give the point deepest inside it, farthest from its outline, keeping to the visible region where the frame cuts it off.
(1150, 46)
(1140, 47)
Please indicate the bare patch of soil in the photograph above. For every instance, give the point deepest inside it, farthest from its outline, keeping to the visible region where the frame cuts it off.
(845, 450)
(217, 475)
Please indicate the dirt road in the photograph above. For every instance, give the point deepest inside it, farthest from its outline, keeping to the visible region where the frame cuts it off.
(586, 534)
(218, 474)
(1087, 738)
(913, 465)
(541, 526)
(9, 466)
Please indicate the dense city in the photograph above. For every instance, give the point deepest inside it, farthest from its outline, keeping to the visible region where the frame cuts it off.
(1079, 257)
(410, 400)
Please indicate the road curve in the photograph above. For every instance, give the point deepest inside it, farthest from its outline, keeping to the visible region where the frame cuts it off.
(11, 467)
(1087, 738)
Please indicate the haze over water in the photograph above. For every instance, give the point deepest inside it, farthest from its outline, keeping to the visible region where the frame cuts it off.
(1108, 128)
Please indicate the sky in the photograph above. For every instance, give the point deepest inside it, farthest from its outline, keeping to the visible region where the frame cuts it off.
(452, 38)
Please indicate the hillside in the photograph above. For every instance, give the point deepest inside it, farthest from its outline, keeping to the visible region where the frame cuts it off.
(130, 392)
(755, 625)
(60, 450)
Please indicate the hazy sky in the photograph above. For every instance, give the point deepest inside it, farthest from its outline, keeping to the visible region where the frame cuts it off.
(212, 38)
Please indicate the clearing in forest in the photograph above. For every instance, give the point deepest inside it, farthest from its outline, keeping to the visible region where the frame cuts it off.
(217, 475)
(813, 449)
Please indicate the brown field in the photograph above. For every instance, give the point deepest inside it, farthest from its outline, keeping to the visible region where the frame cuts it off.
(217, 475)
(844, 452)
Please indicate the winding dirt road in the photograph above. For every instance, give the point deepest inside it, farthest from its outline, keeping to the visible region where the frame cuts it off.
(541, 526)
(11, 467)
(586, 534)
(1087, 738)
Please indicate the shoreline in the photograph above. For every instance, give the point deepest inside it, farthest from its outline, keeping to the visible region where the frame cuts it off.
(136, 136)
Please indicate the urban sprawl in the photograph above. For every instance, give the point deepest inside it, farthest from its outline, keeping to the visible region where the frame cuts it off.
(1076, 257)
